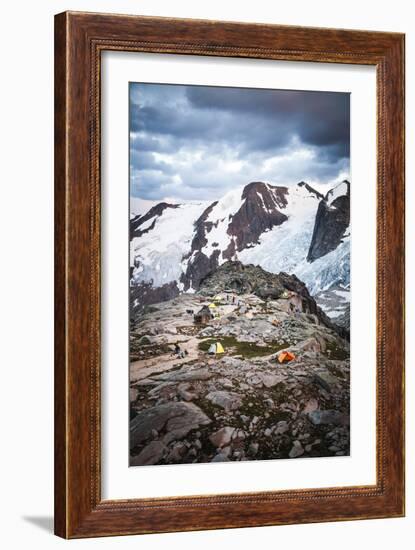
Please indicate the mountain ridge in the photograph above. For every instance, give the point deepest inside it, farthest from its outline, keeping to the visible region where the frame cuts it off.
(294, 229)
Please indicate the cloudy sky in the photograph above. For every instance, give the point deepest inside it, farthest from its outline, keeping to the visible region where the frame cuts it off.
(197, 142)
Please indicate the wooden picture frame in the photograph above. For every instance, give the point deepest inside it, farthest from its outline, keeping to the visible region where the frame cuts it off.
(79, 40)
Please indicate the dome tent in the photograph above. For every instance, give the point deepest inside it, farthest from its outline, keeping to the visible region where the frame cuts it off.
(215, 348)
(285, 357)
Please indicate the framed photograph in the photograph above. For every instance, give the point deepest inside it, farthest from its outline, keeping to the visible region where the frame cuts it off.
(229, 275)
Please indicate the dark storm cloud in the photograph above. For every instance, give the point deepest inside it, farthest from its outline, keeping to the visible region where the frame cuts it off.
(317, 118)
(198, 141)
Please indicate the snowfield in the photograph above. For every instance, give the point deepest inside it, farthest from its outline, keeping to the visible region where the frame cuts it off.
(285, 247)
(159, 252)
(220, 216)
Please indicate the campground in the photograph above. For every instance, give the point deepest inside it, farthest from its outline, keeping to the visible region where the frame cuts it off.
(188, 405)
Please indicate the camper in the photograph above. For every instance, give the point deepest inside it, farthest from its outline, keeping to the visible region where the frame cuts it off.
(179, 352)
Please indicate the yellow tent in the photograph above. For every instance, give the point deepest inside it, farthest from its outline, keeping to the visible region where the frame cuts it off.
(212, 305)
(219, 348)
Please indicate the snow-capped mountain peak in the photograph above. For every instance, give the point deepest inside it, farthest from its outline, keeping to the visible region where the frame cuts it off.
(340, 190)
(280, 228)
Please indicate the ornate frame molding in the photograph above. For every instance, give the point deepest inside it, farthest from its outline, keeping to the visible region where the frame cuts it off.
(79, 40)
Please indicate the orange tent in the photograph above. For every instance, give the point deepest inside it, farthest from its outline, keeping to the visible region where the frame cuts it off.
(285, 357)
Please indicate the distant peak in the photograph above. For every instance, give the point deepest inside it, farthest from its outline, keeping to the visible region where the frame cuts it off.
(139, 225)
(262, 188)
(253, 186)
(310, 189)
(158, 209)
(339, 190)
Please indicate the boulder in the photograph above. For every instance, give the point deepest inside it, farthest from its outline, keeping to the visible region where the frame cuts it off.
(184, 393)
(185, 375)
(297, 450)
(281, 427)
(222, 437)
(177, 452)
(175, 416)
(151, 454)
(271, 380)
(227, 400)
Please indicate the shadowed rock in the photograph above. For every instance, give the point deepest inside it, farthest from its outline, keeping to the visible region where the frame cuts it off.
(328, 417)
(151, 454)
(185, 375)
(332, 220)
(178, 416)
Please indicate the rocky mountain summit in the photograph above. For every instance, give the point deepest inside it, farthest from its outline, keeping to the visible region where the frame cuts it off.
(332, 222)
(238, 402)
(238, 278)
(294, 229)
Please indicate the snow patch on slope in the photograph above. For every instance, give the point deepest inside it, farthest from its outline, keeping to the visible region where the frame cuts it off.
(337, 191)
(156, 256)
(333, 268)
(220, 216)
(286, 245)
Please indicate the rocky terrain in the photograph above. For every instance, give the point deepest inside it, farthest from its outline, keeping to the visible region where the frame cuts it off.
(243, 404)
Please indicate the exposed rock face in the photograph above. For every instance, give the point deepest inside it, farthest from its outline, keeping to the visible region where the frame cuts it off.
(242, 279)
(199, 263)
(144, 294)
(332, 221)
(198, 267)
(202, 226)
(259, 212)
(344, 319)
(173, 417)
(311, 190)
(154, 212)
(245, 279)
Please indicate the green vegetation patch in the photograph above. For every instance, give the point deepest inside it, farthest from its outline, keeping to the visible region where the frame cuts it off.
(150, 309)
(246, 349)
